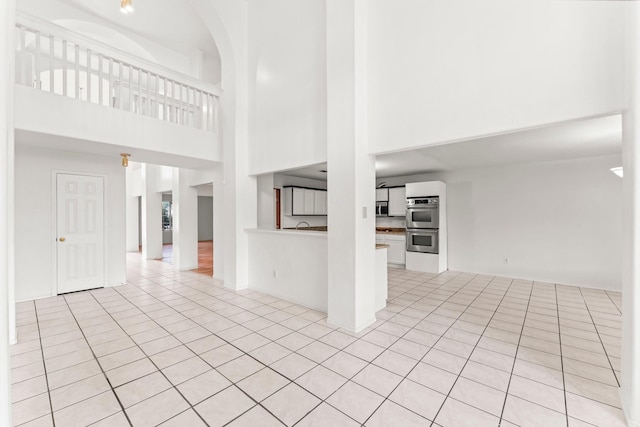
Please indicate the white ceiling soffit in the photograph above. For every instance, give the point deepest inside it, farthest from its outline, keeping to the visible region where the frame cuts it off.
(584, 138)
(80, 146)
(171, 23)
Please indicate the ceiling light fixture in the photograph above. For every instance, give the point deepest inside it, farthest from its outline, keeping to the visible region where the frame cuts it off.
(126, 6)
(617, 171)
(125, 159)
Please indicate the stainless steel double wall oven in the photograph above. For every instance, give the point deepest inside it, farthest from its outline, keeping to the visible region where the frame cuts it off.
(423, 219)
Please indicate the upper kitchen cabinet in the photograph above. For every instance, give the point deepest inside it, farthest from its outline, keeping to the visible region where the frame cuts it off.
(382, 194)
(304, 201)
(397, 201)
(320, 206)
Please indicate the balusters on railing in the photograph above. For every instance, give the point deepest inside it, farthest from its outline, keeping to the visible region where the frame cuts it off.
(88, 78)
(100, 78)
(77, 71)
(37, 62)
(52, 56)
(128, 87)
(64, 68)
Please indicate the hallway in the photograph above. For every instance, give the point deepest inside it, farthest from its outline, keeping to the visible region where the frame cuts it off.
(176, 349)
(205, 257)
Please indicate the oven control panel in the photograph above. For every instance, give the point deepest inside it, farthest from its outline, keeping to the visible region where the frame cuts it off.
(422, 201)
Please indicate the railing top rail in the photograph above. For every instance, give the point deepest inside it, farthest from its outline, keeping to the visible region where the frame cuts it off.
(50, 29)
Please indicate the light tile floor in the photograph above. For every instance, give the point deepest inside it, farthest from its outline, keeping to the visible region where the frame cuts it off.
(456, 349)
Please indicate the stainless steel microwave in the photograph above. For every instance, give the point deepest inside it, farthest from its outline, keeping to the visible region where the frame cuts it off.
(382, 208)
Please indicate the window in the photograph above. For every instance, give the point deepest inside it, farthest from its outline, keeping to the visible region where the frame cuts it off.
(167, 216)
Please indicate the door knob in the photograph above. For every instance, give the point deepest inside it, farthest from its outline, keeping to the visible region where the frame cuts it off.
(62, 239)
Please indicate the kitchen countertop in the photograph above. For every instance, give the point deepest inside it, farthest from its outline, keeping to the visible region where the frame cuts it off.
(381, 246)
(391, 230)
(313, 228)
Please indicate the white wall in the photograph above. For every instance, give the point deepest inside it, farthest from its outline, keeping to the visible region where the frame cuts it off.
(279, 181)
(556, 221)
(47, 113)
(34, 224)
(287, 84)
(444, 71)
(278, 266)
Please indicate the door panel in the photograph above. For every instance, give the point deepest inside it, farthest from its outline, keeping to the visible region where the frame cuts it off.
(80, 232)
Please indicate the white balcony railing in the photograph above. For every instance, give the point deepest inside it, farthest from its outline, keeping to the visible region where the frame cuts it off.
(58, 61)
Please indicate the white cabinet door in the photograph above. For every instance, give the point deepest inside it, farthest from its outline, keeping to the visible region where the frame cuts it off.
(320, 206)
(298, 201)
(397, 201)
(382, 194)
(309, 201)
(396, 253)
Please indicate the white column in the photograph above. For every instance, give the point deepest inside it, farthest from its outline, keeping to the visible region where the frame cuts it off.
(630, 378)
(151, 213)
(132, 210)
(133, 232)
(7, 308)
(218, 223)
(240, 189)
(351, 176)
(266, 207)
(185, 221)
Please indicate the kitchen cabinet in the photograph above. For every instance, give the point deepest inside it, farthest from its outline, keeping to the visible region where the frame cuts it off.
(382, 194)
(396, 253)
(299, 201)
(397, 201)
(309, 201)
(320, 206)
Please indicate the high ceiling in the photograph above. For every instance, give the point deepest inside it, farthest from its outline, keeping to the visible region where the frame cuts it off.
(171, 23)
(584, 138)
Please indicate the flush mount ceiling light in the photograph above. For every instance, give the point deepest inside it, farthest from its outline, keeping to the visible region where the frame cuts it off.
(617, 171)
(125, 159)
(126, 6)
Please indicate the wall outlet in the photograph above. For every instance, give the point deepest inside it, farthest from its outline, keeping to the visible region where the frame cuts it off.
(505, 260)
(275, 273)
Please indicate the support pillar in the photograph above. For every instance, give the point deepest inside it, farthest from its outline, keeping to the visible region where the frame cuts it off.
(351, 176)
(151, 213)
(218, 223)
(185, 221)
(7, 304)
(240, 189)
(630, 378)
(133, 242)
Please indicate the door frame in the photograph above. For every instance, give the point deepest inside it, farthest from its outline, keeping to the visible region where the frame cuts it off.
(54, 224)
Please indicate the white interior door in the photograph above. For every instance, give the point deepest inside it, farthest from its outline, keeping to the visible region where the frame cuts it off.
(80, 232)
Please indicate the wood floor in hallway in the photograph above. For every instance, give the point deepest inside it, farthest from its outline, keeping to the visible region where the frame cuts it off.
(205, 257)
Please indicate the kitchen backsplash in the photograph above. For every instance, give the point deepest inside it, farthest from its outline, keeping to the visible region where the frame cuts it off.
(391, 222)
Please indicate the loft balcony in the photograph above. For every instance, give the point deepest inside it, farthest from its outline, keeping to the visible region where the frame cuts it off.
(89, 93)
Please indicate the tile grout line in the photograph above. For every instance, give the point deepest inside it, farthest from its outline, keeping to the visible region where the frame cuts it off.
(233, 383)
(431, 347)
(564, 381)
(515, 356)
(470, 354)
(98, 362)
(600, 338)
(385, 398)
(44, 365)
